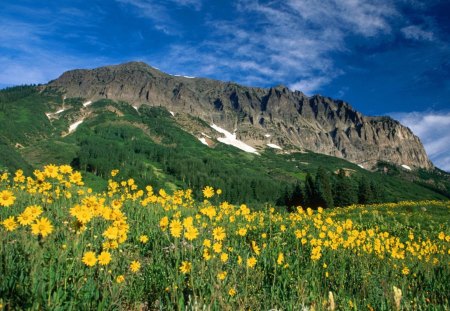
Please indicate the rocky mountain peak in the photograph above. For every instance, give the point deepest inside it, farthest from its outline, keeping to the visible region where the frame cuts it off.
(293, 120)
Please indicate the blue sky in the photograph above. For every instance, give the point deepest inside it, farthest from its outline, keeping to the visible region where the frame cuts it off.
(383, 57)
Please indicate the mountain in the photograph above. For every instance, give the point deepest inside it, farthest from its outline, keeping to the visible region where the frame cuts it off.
(155, 146)
(258, 116)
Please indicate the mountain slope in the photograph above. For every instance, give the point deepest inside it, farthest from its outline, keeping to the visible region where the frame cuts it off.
(158, 148)
(293, 120)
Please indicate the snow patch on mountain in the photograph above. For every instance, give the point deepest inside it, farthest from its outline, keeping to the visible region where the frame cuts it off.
(172, 113)
(203, 140)
(274, 146)
(74, 126)
(406, 167)
(230, 139)
(188, 77)
(87, 103)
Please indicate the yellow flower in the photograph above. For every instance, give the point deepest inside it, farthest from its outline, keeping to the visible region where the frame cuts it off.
(188, 222)
(206, 254)
(232, 292)
(19, 178)
(51, 171)
(219, 191)
(4, 177)
(207, 243)
(7, 198)
(239, 260)
(222, 275)
(405, 271)
(104, 258)
(219, 234)
(441, 236)
(208, 192)
(143, 239)
(120, 279)
(42, 226)
(242, 231)
(175, 228)
(224, 257)
(10, 224)
(111, 233)
(65, 169)
(217, 247)
(251, 262)
(89, 259)
(135, 266)
(280, 259)
(185, 267)
(191, 233)
(34, 210)
(114, 172)
(76, 178)
(163, 223)
(256, 248)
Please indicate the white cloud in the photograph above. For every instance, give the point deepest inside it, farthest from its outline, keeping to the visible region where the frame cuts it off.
(361, 16)
(159, 12)
(433, 129)
(278, 42)
(308, 86)
(416, 33)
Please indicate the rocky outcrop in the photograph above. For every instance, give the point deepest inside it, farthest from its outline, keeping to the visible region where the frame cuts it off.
(292, 120)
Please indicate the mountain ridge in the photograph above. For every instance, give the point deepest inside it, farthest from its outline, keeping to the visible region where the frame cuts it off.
(292, 119)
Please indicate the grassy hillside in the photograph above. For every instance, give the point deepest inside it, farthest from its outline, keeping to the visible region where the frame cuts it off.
(151, 146)
(63, 246)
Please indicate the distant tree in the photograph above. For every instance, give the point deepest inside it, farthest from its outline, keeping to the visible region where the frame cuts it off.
(309, 192)
(364, 191)
(378, 194)
(292, 196)
(322, 187)
(344, 191)
(297, 195)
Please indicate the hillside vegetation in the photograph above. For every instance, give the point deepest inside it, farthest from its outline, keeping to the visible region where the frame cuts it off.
(152, 147)
(67, 247)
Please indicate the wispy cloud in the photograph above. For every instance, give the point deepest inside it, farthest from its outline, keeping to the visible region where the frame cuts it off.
(159, 12)
(417, 33)
(432, 127)
(282, 41)
(30, 54)
(361, 16)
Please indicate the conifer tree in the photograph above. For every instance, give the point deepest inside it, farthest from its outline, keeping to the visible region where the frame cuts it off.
(364, 191)
(309, 193)
(296, 197)
(344, 191)
(377, 190)
(322, 189)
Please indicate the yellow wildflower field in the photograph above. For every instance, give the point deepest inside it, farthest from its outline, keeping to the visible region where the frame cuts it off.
(65, 246)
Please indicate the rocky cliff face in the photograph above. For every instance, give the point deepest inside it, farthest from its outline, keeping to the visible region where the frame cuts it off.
(292, 119)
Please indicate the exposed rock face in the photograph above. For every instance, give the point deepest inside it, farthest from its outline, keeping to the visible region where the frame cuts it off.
(292, 119)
